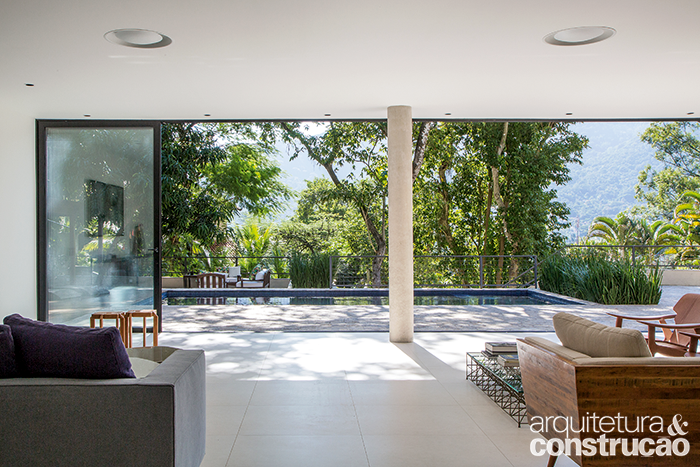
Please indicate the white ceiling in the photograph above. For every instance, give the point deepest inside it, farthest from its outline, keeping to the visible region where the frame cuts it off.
(301, 59)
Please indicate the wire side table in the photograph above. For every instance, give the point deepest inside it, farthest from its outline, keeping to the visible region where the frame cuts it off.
(503, 385)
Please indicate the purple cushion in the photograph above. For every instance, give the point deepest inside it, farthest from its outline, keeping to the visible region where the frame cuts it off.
(55, 350)
(8, 364)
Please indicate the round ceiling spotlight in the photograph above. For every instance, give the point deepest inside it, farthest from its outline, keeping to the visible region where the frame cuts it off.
(139, 38)
(579, 36)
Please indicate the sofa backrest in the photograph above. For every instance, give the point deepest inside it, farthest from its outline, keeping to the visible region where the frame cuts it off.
(598, 340)
(578, 358)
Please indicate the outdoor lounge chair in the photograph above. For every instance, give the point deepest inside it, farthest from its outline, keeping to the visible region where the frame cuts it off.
(262, 280)
(675, 343)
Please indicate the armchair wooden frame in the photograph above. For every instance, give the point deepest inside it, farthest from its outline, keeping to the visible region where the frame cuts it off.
(675, 343)
(555, 385)
(211, 280)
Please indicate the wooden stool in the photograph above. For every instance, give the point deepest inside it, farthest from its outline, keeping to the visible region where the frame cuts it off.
(145, 314)
(119, 319)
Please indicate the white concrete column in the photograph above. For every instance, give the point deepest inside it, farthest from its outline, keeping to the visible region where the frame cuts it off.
(400, 149)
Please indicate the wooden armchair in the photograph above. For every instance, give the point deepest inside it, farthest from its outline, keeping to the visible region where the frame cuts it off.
(560, 382)
(675, 342)
(211, 280)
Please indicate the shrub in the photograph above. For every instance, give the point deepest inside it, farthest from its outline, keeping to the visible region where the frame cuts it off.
(589, 276)
(309, 271)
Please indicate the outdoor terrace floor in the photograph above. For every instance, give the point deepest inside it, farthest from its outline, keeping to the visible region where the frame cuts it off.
(354, 399)
(375, 318)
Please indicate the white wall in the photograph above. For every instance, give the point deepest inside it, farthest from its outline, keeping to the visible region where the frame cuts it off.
(681, 277)
(17, 214)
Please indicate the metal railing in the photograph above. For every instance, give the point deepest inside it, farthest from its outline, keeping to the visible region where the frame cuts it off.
(443, 270)
(662, 256)
(361, 271)
(180, 265)
(438, 271)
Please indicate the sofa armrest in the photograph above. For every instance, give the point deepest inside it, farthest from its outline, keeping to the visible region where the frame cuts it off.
(158, 420)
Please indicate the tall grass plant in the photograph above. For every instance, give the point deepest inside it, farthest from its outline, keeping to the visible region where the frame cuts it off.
(592, 277)
(309, 271)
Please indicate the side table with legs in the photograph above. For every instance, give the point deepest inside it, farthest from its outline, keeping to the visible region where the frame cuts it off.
(502, 384)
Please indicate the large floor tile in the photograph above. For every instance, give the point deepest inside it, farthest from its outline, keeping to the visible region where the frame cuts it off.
(492, 419)
(224, 420)
(415, 420)
(467, 393)
(217, 450)
(228, 391)
(300, 420)
(400, 393)
(298, 451)
(316, 392)
(433, 450)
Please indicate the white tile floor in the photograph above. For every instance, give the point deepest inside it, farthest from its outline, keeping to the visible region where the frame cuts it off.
(352, 399)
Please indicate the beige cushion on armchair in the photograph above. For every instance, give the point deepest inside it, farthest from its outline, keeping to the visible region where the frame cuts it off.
(598, 340)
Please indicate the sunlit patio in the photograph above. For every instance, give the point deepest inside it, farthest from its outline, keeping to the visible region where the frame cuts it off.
(352, 399)
(355, 399)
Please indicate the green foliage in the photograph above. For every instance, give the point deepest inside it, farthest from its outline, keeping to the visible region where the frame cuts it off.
(489, 188)
(361, 147)
(278, 262)
(677, 146)
(210, 172)
(253, 243)
(661, 190)
(480, 188)
(593, 277)
(323, 222)
(309, 271)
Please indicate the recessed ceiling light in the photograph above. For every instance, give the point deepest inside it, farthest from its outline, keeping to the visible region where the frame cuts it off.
(29, 85)
(139, 38)
(207, 115)
(87, 115)
(326, 115)
(448, 113)
(691, 113)
(569, 113)
(579, 36)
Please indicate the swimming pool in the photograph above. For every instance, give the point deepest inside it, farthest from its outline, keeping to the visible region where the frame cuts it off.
(353, 297)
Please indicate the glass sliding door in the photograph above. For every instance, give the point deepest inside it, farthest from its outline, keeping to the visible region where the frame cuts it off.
(99, 218)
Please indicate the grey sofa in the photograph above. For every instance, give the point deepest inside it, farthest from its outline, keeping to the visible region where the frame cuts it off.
(157, 420)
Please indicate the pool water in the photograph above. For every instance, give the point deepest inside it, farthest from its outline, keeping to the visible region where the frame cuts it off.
(430, 300)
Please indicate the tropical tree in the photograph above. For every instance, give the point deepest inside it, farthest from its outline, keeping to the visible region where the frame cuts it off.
(687, 221)
(622, 230)
(210, 174)
(489, 188)
(677, 147)
(360, 146)
(254, 242)
(318, 221)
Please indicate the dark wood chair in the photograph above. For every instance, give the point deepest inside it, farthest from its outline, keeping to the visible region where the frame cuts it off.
(674, 343)
(211, 280)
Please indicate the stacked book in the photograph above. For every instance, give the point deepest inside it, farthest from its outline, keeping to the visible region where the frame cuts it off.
(506, 353)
